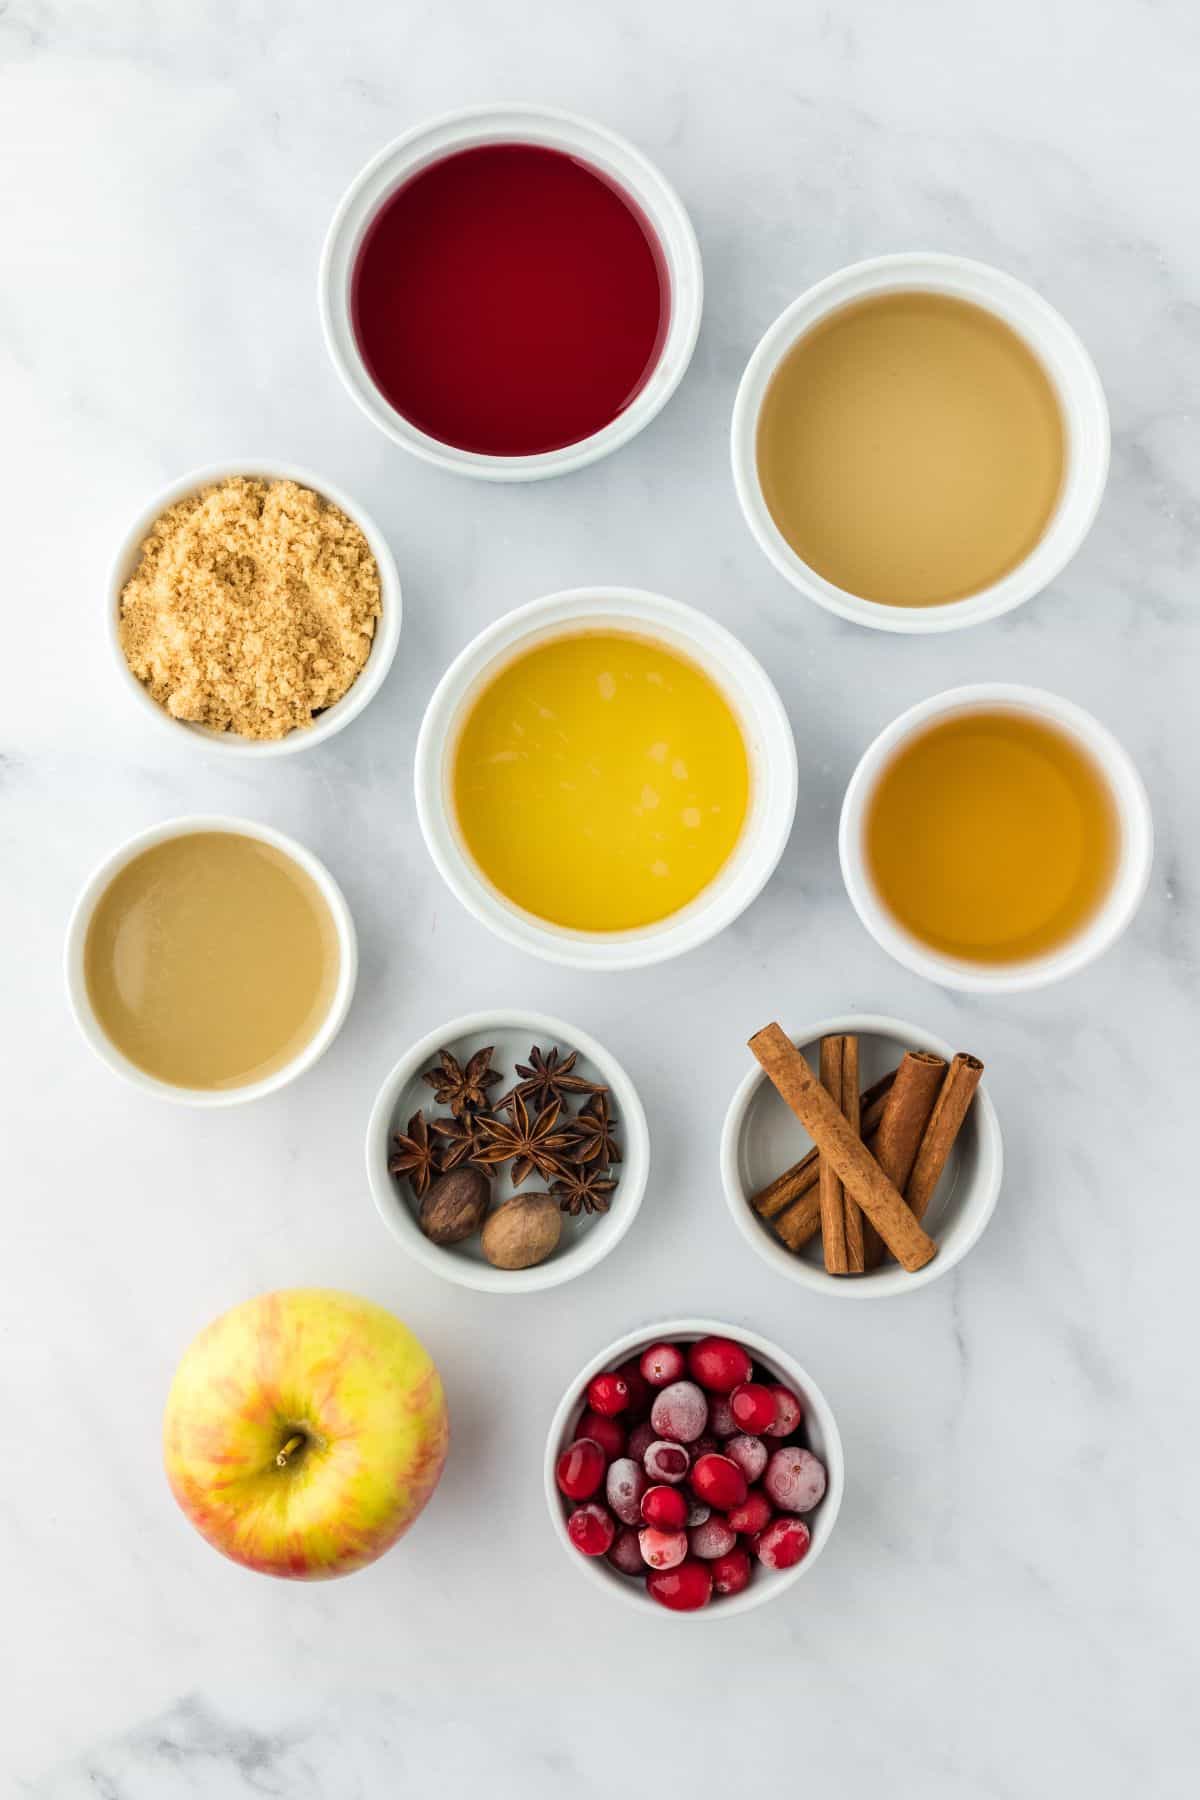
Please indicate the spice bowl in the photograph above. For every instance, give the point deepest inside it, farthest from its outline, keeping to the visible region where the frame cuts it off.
(369, 679)
(586, 1238)
(819, 1432)
(761, 1138)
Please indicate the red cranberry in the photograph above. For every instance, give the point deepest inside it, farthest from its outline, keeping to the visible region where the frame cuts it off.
(639, 1388)
(624, 1486)
(788, 1412)
(608, 1433)
(783, 1544)
(718, 1481)
(685, 1589)
(609, 1394)
(666, 1462)
(712, 1539)
(749, 1453)
(754, 1514)
(719, 1364)
(661, 1364)
(753, 1407)
(721, 1421)
(680, 1412)
(665, 1507)
(626, 1552)
(580, 1469)
(640, 1440)
(795, 1479)
(662, 1549)
(591, 1529)
(731, 1573)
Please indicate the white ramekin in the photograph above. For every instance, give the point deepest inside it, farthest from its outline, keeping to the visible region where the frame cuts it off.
(81, 918)
(613, 156)
(821, 1430)
(383, 645)
(1133, 868)
(745, 685)
(1070, 368)
(512, 1032)
(961, 1208)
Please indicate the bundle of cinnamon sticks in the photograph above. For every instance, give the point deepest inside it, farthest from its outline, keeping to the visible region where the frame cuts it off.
(878, 1154)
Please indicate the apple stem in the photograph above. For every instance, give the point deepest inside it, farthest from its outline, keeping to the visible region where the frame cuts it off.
(293, 1444)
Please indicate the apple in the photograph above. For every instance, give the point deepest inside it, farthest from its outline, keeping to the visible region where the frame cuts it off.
(304, 1432)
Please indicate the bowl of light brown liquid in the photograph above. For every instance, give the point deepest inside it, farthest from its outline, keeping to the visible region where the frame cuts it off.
(996, 838)
(920, 443)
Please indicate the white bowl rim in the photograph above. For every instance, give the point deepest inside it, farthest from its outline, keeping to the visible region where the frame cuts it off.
(581, 1256)
(821, 1522)
(1108, 923)
(187, 825)
(743, 678)
(584, 138)
(383, 645)
(1087, 426)
(886, 1281)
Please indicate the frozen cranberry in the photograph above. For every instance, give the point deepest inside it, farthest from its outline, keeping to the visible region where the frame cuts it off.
(754, 1514)
(685, 1589)
(721, 1421)
(719, 1364)
(753, 1406)
(661, 1364)
(608, 1433)
(640, 1439)
(718, 1481)
(591, 1529)
(697, 1513)
(680, 1412)
(639, 1388)
(731, 1573)
(705, 1446)
(713, 1538)
(788, 1412)
(783, 1544)
(666, 1462)
(662, 1549)
(665, 1507)
(749, 1453)
(626, 1552)
(624, 1486)
(795, 1479)
(580, 1469)
(608, 1394)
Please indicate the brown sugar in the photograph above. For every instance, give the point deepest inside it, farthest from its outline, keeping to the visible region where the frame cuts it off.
(252, 607)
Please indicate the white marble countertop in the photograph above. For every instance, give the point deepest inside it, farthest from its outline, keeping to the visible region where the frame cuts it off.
(1007, 1606)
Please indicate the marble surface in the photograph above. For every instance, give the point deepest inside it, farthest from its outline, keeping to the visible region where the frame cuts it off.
(1007, 1606)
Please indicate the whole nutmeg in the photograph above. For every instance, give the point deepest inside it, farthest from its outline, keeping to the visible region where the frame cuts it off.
(522, 1232)
(455, 1205)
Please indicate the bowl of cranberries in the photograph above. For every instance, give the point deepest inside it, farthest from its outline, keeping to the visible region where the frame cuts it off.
(694, 1467)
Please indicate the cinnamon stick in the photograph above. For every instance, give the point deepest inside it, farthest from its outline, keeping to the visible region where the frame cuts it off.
(905, 1116)
(855, 1241)
(829, 1186)
(945, 1122)
(847, 1156)
(779, 1194)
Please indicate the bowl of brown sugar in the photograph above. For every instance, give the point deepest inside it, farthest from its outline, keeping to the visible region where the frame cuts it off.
(255, 607)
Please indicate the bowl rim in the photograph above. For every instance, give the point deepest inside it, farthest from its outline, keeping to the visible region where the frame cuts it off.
(1111, 919)
(384, 643)
(821, 1521)
(187, 825)
(1084, 411)
(588, 1250)
(744, 683)
(622, 163)
(884, 1282)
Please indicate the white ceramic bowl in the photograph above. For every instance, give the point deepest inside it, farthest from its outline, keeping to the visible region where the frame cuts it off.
(383, 646)
(1098, 934)
(821, 1433)
(744, 684)
(601, 149)
(586, 1240)
(1058, 349)
(762, 1137)
(81, 918)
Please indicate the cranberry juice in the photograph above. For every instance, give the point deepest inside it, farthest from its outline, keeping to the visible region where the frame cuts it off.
(509, 300)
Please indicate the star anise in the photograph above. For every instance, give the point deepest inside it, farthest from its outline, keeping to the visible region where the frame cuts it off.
(581, 1188)
(463, 1141)
(413, 1155)
(530, 1144)
(547, 1079)
(463, 1090)
(592, 1139)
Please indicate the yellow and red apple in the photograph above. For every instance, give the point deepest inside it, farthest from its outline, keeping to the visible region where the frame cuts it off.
(304, 1432)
